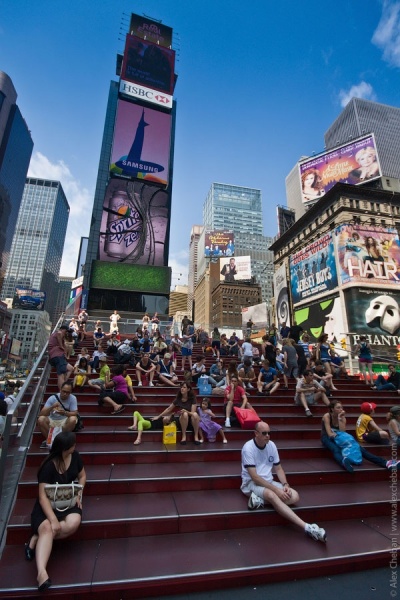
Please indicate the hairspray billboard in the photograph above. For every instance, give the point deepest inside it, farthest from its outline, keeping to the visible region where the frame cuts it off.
(374, 313)
(354, 163)
(313, 269)
(135, 223)
(368, 254)
(282, 306)
(141, 144)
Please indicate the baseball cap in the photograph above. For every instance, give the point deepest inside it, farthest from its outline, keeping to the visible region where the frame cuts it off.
(368, 407)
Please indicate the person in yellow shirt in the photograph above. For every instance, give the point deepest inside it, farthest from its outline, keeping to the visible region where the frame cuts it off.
(366, 428)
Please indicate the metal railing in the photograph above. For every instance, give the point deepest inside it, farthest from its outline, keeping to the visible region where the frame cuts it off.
(20, 423)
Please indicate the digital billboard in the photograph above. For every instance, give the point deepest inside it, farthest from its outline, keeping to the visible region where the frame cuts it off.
(140, 278)
(368, 254)
(135, 223)
(281, 294)
(141, 144)
(321, 317)
(148, 64)
(313, 269)
(147, 29)
(29, 299)
(374, 313)
(354, 163)
(258, 313)
(219, 243)
(235, 269)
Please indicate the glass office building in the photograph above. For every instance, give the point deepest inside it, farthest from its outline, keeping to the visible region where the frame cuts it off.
(38, 242)
(233, 208)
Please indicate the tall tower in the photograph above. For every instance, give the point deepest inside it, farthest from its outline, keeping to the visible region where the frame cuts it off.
(129, 236)
(37, 246)
(15, 153)
(193, 265)
(232, 207)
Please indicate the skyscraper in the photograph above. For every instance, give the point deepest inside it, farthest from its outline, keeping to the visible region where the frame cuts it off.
(361, 117)
(38, 243)
(193, 265)
(238, 209)
(15, 153)
(232, 207)
(129, 235)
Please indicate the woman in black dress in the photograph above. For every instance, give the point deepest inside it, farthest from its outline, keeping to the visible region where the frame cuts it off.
(63, 465)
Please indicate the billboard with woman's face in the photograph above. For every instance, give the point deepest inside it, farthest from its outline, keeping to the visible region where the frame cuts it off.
(368, 254)
(354, 163)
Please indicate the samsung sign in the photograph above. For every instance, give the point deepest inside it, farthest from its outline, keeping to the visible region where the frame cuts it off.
(144, 93)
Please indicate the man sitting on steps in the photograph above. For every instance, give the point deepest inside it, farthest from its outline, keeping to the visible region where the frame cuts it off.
(259, 456)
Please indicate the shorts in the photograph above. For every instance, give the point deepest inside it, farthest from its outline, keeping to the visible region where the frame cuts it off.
(99, 382)
(258, 490)
(291, 371)
(216, 344)
(373, 437)
(310, 399)
(367, 361)
(60, 364)
(118, 397)
(186, 352)
(324, 360)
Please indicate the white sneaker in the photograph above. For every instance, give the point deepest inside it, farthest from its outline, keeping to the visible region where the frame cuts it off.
(227, 422)
(151, 384)
(317, 533)
(94, 371)
(250, 387)
(140, 383)
(255, 502)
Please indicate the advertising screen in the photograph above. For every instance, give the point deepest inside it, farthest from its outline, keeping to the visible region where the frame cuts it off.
(140, 278)
(219, 243)
(148, 64)
(375, 314)
(282, 306)
(141, 144)
(147, 29)
(257, 313)
(313, 269)
(321, 317)
(135, 223)
(29, 299)
(235, 269)
(368, 254)
(355, 163)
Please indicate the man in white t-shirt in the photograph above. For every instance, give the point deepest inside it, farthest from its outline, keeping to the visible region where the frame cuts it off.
(259, 457)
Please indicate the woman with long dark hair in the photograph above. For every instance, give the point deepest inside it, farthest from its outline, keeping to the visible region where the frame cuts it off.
(185, 404)
(62, 465)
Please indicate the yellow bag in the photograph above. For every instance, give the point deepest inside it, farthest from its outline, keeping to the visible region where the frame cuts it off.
(169, 433)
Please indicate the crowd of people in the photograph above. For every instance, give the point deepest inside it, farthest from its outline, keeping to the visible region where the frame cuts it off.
(166, 360)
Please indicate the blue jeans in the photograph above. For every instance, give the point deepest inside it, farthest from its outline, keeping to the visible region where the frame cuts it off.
(382, 384)
(337, 453)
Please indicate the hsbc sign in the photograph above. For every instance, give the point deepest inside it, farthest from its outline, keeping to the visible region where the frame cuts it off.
(144, 93)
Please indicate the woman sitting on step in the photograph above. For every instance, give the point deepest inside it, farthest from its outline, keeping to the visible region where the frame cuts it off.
(185, 404)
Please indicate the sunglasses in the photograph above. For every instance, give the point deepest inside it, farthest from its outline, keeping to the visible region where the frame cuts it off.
(264, 433)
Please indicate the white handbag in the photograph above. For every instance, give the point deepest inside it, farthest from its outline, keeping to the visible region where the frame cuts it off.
(63, 496)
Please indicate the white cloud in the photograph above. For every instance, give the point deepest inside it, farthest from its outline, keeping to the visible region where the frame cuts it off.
(80, 200)
(362, 90)
(387, 34)
(179, 263)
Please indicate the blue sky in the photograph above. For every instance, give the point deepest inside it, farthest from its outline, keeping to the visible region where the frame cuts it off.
(258, 85)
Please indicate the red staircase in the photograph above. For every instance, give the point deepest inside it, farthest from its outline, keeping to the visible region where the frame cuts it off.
(162, 519)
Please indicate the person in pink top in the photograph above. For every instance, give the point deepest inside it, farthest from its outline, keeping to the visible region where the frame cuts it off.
(57, 357)
(120, 393)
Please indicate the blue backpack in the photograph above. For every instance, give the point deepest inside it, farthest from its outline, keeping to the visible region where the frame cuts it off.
(349, 446)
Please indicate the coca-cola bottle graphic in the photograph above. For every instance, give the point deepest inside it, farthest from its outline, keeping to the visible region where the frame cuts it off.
(124, 226)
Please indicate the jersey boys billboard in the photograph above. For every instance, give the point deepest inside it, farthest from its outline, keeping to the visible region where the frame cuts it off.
(313, 269)
(368, 254)
(141, 145)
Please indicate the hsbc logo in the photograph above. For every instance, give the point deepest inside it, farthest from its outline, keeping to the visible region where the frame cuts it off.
(138, 91)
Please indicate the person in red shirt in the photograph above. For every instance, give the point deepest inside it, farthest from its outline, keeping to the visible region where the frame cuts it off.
(234, 396)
